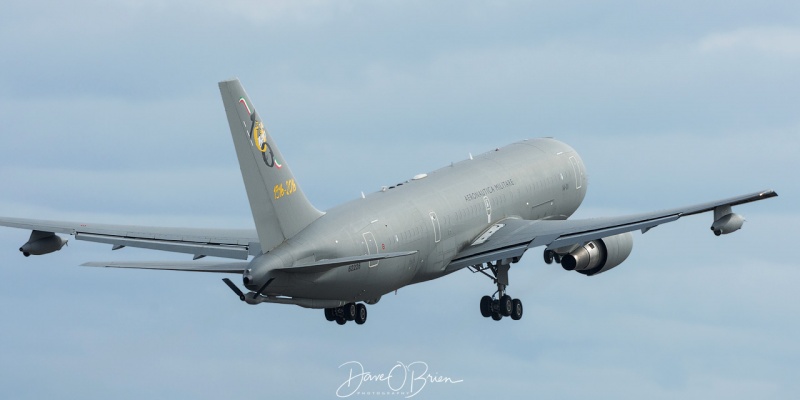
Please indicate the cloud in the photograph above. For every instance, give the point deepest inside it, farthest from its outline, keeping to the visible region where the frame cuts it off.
(286, 12)
(781, 41)
(172, 192)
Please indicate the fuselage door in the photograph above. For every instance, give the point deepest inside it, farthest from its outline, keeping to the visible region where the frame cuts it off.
(576, 170)
(437, 230)
(488, 205)
(372, 246)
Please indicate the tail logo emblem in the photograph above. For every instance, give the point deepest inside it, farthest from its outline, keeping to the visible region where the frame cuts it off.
(259, 137)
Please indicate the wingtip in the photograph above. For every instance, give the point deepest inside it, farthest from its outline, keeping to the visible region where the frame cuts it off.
(769, 193)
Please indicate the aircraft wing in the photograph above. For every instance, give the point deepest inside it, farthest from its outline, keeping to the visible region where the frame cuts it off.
(226, 243)
(510, 238)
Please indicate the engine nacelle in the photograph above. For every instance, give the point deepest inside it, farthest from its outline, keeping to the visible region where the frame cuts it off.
(599, 255)
(729, 223)
(42, 243)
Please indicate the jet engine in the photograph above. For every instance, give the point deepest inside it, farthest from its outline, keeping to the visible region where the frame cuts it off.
(599, 255)
(42, 243)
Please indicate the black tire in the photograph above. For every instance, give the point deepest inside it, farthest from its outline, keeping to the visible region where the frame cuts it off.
(349, 311)
(516, 315)
(330, 314)
(506, 305)
(361, 314)
(486, 306)
(496, 316)
(340, 320)
(548, 256)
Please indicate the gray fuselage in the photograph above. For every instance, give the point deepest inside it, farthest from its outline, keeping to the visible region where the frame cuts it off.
(437, 215)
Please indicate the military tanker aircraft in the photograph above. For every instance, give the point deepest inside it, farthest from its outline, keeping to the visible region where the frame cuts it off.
(483, 213)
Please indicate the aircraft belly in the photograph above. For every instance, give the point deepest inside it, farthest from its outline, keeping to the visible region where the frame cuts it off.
(357, 282)
(349, 284)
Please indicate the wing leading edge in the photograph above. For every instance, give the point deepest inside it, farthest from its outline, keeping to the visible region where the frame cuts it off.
(516, 236)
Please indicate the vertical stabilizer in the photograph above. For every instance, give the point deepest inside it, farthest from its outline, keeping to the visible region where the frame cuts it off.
(280, 209)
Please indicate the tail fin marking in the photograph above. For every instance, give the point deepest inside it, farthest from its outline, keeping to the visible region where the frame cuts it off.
(280, 209)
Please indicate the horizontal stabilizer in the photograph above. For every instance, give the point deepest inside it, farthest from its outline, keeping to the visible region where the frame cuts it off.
(324, 265)
(213, 250)
(241, 266)
(190, 266)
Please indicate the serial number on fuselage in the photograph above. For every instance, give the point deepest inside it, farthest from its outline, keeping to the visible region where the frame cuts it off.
(353, 267)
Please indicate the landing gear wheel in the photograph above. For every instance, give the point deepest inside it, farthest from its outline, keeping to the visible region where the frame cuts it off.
(349, 310)
(330, 314)
(516, 314)
(340, 320)
(500, 304)
(361, 314)
(506, 305)
(548, 256)
(486, 306)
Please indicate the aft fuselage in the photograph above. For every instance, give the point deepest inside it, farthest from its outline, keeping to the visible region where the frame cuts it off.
(435, 214)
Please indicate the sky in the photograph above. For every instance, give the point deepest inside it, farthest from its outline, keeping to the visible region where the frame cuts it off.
(110, 112)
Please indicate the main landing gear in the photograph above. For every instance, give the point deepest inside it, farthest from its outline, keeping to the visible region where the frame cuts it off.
(500, 304)
(347, 312)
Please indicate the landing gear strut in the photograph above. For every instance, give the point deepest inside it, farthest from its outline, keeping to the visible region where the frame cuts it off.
(500, 304)
(347, 312)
